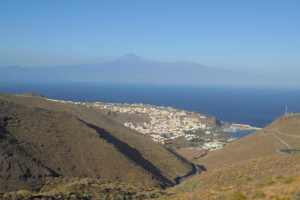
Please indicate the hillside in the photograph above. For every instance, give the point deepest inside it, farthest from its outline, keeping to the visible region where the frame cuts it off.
(75, 141)
(39, 154)
(258, 144)
(272, 177)
(61, 144)
(88, 189)
(275, 177)
(251, 168)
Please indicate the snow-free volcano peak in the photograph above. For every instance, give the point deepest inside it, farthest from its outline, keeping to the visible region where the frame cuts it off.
(132, 58)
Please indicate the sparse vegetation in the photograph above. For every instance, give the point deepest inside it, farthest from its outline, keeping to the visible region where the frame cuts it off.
(275, 176)
(238, 196)
(75, 188)
(269, 181)
(74, 141)
(270, 177)
(259, 194)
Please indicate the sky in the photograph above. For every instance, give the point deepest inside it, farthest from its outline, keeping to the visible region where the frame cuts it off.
(242, 35)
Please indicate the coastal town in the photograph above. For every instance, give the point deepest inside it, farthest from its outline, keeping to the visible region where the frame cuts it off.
(164, 120)
(166, 124)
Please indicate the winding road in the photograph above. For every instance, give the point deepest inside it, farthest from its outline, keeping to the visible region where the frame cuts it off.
(194, 173)
(288, 150)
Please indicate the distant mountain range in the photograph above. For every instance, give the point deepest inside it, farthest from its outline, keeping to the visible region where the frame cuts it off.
(132, 68)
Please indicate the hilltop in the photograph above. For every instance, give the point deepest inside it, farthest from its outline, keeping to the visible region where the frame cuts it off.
(43, 139)
(30, 94)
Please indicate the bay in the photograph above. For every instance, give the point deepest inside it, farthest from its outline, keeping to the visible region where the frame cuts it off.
(240, 134)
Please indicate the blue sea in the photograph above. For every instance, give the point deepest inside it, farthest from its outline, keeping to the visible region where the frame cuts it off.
(254, 105)
(240, 134)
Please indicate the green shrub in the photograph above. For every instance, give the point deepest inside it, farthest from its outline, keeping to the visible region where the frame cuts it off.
(238, 196)
(119, 197)
(200, 185)
(259, 194)
(289, 180)
(25, 194)
(280, 177)
(286, 180)
(95, 185)
(107, 181)
(284, 198)
(10, 196)
(218, 188)
(269, 181)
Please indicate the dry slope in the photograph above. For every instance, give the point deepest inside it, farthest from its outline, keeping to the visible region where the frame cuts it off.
(251, 168)
(82, 142)
(275, 177)
(258, 144)
(58, 144)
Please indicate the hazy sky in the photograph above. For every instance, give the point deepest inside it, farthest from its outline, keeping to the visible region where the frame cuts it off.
(243, 35)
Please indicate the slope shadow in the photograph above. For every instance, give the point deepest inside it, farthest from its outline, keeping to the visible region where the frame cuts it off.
(202, 167)
(182, 159)
(132, 154)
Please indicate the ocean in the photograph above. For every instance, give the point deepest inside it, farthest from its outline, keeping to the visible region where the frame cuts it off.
(254, 105)
(241, 134)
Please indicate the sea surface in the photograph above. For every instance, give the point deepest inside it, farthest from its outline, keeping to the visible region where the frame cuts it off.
(240, 134)
(254, 105)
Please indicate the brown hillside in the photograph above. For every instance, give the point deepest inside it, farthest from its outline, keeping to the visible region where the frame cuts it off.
(287, 124)
(145, 156)
(89, 189)
(258, 144)
(19, 170)
(59, 143)
(251, 168)
(275, 177)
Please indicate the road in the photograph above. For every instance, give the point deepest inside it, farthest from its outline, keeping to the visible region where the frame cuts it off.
(288, 150)
(194, 173)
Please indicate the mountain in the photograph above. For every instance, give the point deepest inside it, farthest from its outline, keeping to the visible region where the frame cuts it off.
(132, 68)
(42, 140)
(130, 58)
